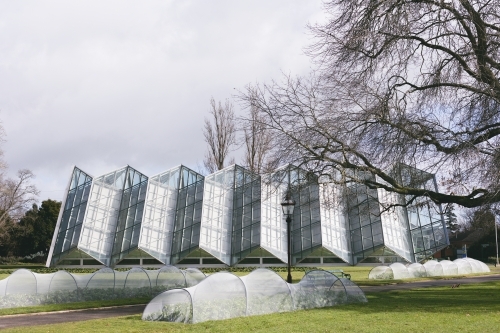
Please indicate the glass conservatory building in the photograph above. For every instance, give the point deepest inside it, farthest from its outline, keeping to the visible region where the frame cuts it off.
(234, 218)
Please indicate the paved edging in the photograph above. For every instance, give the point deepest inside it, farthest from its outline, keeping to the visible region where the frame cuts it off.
(431, 283)
(72, 310)
(57, 317)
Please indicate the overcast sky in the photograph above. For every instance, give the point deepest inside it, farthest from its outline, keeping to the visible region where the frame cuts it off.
(103, 84)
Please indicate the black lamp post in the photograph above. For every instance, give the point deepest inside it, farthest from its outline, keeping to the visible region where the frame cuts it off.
(496, 239)
(288, 205)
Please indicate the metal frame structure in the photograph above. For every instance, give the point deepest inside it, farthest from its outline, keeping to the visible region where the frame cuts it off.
(234, 218)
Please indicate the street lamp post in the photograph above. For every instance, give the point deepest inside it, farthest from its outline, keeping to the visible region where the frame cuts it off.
(496, 239)
(288, 205)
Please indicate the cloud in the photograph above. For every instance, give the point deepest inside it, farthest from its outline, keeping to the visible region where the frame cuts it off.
(105, 84)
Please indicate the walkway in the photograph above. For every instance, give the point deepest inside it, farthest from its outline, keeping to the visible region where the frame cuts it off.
(68, 316)
(431, 283)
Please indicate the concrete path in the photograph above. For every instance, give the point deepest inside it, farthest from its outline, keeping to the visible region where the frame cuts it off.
(68, 316)
(80, 315)
(431, 283)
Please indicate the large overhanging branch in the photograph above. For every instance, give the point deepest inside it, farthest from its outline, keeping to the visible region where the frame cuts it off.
(289, 121)
(397, 82)
(470, 48)
(426, 136)
(475, 198)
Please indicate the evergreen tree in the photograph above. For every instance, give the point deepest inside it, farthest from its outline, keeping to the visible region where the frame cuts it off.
(34, 231)
(482, 219)
(7, 238)
(451, 221)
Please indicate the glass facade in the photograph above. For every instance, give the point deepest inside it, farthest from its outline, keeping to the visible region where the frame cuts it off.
(428, 232)
(101, 217)
(273, 237)
(425, 219)
(114, 214)
(234, 217)
(172, 217)
(130, 215)
(334, 228)
(364, 220)
(217, 215)
(246, 214)
(395, 225)
(306, 231)
(159, 215)
(69, 222)
(186, 237)
(306, 222)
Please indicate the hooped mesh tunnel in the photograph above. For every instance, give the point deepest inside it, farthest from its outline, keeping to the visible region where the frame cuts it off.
(224, 295)
(25, 288)
(399, 271)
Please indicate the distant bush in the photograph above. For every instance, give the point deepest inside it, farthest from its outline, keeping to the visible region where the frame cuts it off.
(10, 260)
(11, 269)
(250, 269)
(35, 258)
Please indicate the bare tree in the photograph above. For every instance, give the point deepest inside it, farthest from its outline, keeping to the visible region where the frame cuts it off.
(480, 218)
(16, 196)
(257, 141)
(413, 82)
(220, 135)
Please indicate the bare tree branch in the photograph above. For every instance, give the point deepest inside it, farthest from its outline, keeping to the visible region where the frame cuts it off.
(16, 196)
(257, 140)
(220, 135)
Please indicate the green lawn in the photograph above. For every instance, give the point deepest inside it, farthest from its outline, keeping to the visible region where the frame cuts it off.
(470, 308)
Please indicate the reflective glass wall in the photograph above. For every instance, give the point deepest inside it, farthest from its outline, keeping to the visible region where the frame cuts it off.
(69, 222)
(246, 214)
(334, 228)
(114, 214)
(426, 222)
(186, 237)
(273, 231)
(306, 221)
(99, 225)
(234, 217)
(365, 224)
(217, 215)
(159, 215)
(130, 215)
(395, 225)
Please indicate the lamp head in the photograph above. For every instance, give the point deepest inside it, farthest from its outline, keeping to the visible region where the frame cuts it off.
(288, 204)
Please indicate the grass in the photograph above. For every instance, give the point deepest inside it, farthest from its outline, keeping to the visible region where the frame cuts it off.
(470, 308)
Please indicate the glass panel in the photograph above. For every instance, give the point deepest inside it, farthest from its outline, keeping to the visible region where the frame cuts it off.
(74, 211)
(188, 212)
(218, 214)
